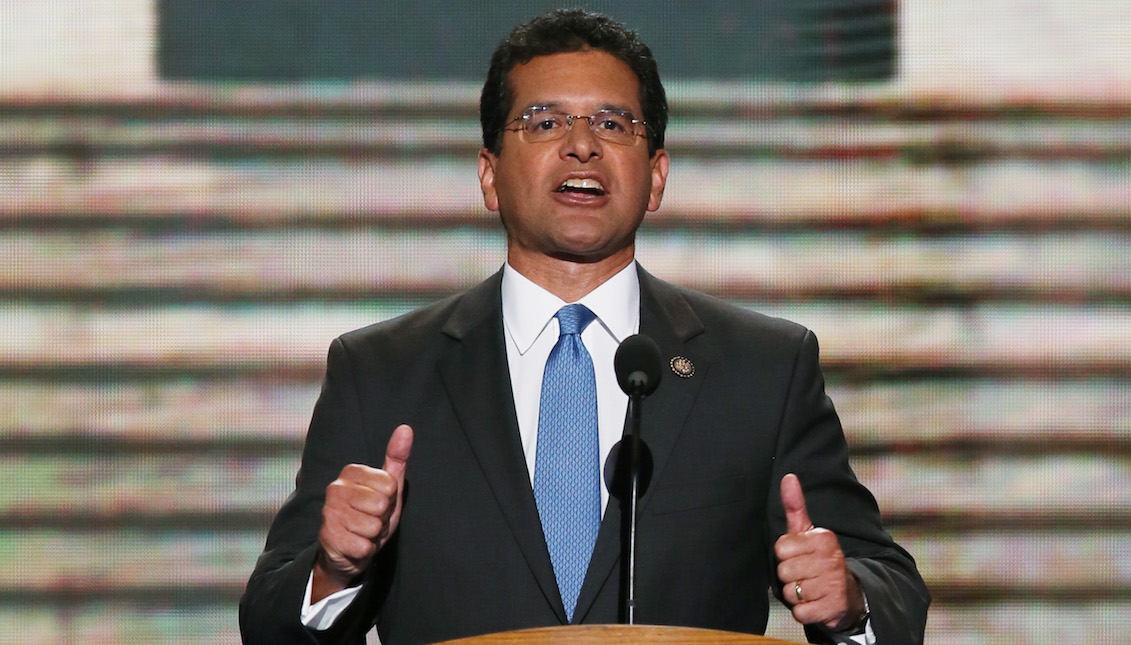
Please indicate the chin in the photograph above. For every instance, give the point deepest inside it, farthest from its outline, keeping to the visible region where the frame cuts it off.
(588, 253)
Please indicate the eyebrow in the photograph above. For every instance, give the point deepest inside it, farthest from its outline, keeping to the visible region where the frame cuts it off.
(557, 105)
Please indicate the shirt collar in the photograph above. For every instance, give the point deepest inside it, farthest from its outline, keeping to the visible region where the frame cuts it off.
(528, 308)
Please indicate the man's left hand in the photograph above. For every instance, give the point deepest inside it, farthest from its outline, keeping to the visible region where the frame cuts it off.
(811, 567)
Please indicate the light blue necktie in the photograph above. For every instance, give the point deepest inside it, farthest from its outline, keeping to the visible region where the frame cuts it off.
(567, 485)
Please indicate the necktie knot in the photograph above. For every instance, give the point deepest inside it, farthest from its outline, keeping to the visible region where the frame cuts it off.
(573, 319)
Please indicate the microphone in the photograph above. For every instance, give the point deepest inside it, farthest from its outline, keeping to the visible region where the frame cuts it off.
(638, 366)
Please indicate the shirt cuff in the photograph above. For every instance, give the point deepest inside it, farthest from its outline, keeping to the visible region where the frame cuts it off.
(866, 637)
(322, 614)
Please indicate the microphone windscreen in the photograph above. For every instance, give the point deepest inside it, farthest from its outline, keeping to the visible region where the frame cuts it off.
(638, 365)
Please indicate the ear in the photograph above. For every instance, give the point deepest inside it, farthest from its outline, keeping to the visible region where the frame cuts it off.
(659, 178)
(487, 163)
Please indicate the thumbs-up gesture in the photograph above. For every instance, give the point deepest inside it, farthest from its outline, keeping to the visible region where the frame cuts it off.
(361, 512)
(811, 567)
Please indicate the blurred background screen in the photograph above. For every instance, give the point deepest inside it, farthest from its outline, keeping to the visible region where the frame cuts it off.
(441, 39)
(197, 197)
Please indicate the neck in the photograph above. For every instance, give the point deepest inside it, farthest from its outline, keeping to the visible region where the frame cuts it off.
(566, 279)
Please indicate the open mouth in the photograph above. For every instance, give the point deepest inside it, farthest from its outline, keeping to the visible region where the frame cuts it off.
(583, 186)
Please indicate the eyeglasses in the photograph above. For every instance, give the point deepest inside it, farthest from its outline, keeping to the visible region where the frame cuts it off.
(540, 124)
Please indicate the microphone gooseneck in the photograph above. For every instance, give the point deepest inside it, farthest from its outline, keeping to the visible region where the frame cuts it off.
(638, 368)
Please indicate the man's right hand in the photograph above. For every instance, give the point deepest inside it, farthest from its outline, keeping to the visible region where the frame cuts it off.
(362, 510)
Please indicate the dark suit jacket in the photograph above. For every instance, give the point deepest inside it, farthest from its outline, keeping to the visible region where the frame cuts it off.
(469, 556)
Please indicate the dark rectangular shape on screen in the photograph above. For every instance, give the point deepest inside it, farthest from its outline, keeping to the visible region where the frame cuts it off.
(297, 40)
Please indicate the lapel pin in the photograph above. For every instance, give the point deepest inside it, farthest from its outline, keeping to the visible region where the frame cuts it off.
(682, 366)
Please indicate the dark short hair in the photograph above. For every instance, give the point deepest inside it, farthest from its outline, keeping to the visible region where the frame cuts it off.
(570, 30)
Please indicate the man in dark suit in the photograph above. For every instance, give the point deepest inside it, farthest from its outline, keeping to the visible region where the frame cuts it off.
(450, 484)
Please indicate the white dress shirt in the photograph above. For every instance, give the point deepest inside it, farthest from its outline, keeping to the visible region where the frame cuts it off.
(531, 331)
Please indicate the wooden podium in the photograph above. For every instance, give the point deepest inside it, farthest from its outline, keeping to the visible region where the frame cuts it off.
(626, 634)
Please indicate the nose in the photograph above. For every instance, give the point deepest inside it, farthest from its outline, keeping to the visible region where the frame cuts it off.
(580, 142)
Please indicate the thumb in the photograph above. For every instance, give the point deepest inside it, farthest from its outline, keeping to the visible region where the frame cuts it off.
(793, 501)
(397, 452)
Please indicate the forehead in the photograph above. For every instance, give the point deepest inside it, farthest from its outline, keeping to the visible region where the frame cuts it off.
(578, 82)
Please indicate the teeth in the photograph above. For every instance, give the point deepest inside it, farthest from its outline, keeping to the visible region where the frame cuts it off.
(591, 184)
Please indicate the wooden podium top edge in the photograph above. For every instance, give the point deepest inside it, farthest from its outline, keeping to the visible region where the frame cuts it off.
(602, 634)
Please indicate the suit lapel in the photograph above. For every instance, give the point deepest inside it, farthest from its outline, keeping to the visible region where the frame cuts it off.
(477, 379)
(670, 321)
(667, 318)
